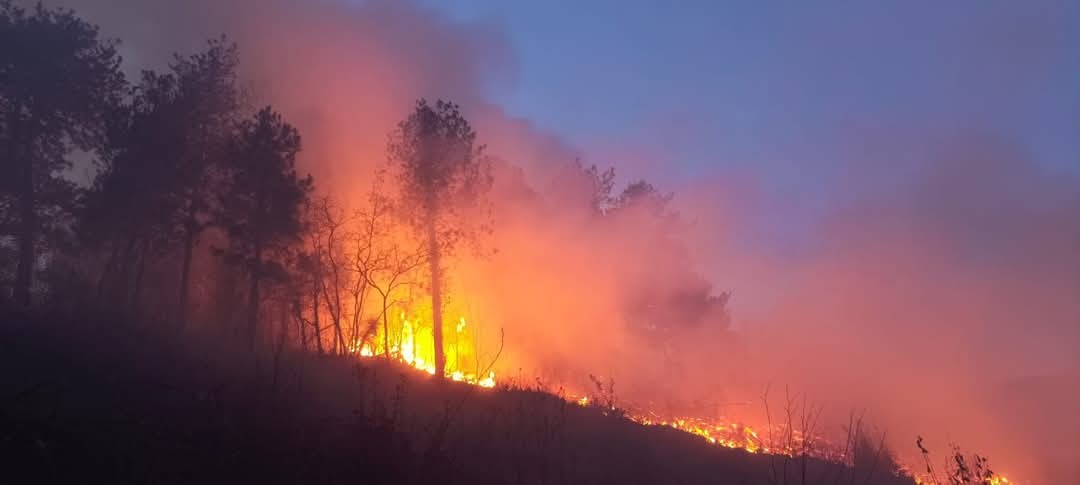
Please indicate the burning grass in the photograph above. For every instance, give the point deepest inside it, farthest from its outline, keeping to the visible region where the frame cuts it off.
(277, 412)
(793, 439)
(407, 346)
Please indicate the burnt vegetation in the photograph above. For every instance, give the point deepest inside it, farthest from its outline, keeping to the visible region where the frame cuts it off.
(191, 311)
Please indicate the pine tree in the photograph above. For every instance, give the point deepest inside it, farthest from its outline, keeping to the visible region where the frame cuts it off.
(262, 202)
(58, 79)
(442, 171)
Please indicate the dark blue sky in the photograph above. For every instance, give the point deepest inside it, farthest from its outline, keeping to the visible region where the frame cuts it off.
(792, 91)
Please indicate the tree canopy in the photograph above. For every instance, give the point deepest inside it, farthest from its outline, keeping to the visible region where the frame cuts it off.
(58, 81)
(442, 172)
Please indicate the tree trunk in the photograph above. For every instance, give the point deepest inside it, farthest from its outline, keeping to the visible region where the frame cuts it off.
(339, 336)
(436, 299)
(359, 295)
(140, 271)
(185, 274)
(301, 323)
(386, 329)
(253, 304)
(121, 294)
(24, 274)
(342, 346)
(315, 313)
(335, 314)
(107, 271)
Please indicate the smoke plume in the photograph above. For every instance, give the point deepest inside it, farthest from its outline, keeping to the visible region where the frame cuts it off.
(927, 293)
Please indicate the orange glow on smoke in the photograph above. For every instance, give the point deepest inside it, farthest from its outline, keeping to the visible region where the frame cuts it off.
(411, 342)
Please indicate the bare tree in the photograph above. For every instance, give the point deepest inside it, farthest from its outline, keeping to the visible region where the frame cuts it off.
(385, 263)
(360, 260)
(311, 264)
(330, 223)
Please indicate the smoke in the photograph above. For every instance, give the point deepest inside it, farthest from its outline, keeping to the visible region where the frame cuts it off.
(343, 72)
(924, 302)
(922, 292)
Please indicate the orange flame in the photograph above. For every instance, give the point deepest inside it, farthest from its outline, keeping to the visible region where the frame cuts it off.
(410, 345)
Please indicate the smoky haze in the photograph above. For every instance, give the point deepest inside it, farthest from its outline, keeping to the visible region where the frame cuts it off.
(931, 288)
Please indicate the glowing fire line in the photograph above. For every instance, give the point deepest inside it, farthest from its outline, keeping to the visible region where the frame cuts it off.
(407, 349)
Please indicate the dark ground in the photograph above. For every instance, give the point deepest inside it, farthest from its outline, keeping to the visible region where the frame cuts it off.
(96, 401)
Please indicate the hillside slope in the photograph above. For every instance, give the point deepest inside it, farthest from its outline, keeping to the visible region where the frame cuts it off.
(95, 400)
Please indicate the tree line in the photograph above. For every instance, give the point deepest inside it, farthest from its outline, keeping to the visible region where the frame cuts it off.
(196, 201)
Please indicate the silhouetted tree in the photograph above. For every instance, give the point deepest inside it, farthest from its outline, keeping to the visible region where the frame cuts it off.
(209, 101)
(129, 207)
(587, 188)
(328, 237)
(310, 267)
(57, 81)
(665, 294)
(384, 263)
(162, 170)
(601, 184)
(296, 291)
(641, 195)
(262, 199)
(443, 171)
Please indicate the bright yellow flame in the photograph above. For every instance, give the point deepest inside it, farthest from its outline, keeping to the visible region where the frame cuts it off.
(411, 343)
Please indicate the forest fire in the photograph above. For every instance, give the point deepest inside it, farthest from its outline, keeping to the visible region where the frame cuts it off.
(410, 342)
(350, 217)
(728, 435)
(407, 345)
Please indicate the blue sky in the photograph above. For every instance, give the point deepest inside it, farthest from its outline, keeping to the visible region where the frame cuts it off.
(779, 85)
(813, 101)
